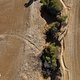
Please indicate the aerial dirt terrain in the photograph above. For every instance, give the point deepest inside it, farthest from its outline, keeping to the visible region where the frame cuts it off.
(21, 40)
(72, 41)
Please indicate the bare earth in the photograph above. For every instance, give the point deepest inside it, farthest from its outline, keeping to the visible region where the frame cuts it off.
(21, 40)
(72, 44)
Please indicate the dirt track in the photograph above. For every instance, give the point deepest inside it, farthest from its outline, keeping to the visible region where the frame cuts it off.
(72, 44)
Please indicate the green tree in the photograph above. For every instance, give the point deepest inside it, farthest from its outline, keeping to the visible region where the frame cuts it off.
(45, 2)
(49, 55)
(61, 19)
(54, 6)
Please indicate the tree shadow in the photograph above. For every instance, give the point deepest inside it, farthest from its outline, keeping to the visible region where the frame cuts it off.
(46, 71)
(51, 38)
(54, 74)
(57, 73)
(29, 3)
(49, 14)
(46, 14)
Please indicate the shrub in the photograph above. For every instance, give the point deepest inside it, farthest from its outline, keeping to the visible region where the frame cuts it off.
(45, 2)
(55, 26)
(49, 55)
(54, 6)
(61, 19)
(53, 51)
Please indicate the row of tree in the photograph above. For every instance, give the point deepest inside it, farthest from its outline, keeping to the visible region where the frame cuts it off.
(50, 63)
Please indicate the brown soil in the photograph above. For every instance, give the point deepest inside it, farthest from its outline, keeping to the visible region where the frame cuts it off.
(21, 40)
(71, 53)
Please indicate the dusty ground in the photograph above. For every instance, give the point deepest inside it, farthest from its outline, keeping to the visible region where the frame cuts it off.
(72, 44)
(21, 40)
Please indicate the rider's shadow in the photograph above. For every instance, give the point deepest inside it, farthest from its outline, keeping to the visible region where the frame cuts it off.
(29, 3)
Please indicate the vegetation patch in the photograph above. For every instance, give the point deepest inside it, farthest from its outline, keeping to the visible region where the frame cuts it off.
(52, 33)
(49, 60)
(53, 6)
(51, 12)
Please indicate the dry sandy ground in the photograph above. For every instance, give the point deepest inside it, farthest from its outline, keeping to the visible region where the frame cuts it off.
(21, 40)
(72, 44)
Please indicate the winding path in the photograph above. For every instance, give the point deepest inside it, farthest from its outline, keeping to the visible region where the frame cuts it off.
(61, 38)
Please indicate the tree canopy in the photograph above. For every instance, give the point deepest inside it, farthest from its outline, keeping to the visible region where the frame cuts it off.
(53, 5)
